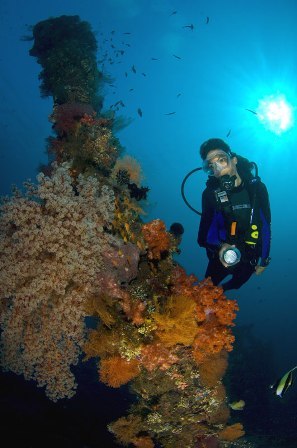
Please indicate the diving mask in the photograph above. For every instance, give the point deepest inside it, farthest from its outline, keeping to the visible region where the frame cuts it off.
(216, 163)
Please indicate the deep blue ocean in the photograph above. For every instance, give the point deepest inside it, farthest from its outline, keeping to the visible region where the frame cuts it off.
(196, 70)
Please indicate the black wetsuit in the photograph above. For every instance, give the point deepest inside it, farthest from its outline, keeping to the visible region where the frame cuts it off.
(214, 230)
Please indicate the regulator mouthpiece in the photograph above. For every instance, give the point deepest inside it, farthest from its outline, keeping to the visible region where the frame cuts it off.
(227, 182)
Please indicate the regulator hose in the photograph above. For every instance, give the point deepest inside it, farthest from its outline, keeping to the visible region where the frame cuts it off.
(183, 190)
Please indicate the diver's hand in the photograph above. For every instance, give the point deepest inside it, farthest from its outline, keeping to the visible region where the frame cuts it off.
(224, 247)
(259, 269)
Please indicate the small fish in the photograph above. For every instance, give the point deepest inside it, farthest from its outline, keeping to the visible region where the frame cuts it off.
(173, 12)
(237, 405)
(139, 111)
(131, 90)
(228, 133)
(191, 27)
(154, 59)
(207, 20)
(126, 74)
(133, 69)
(143, 74)
(178, 95)
(252, 111)
(127, 33)
(283, 384)
(170, 113)
(177, 57)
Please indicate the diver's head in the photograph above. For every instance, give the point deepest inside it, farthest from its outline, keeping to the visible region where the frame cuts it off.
(218, 160)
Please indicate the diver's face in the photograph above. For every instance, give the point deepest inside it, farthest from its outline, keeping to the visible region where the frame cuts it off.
(218, 163)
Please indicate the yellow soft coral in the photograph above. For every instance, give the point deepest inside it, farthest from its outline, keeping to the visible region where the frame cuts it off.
(176, 323)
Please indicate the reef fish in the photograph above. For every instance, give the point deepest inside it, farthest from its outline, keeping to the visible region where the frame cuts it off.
(252, 111)
(191, 27)
(237, 405)
(282, 385)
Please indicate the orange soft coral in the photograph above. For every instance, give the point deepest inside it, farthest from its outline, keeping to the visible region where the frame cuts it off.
(156, 355)
(143, 442)
(211, 300)
(184, 284)
(116, 371)
(134, 310)
(156, 238)
(232, 432)
(211, 340)
(212, 370)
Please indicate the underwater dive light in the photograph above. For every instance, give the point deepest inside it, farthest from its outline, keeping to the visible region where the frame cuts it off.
(231, 256)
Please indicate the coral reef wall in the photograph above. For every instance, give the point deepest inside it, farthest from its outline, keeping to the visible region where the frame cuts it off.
(75, 245)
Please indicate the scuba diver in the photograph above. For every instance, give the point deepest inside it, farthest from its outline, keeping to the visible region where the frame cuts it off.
(235, 218)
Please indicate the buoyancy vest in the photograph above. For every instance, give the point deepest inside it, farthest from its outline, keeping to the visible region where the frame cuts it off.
(238, 209)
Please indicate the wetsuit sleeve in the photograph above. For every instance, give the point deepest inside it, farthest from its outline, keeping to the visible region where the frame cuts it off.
(265, 215)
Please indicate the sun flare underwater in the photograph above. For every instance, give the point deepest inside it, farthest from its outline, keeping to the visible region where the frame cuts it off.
(276, 113)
